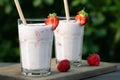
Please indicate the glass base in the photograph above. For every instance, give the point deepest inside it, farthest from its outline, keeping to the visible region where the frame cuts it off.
(73, 63)
(42, 72)
(76, 63)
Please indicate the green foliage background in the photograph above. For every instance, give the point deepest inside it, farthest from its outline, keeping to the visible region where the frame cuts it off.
(102, 33)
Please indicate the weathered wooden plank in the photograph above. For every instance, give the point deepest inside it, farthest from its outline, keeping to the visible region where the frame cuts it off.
(12, 72)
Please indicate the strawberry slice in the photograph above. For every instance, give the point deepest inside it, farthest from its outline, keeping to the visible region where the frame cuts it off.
(82, 17)
(93, 59)
(52, 20)
(63, 66)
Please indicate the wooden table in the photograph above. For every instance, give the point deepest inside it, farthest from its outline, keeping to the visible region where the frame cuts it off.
(11, 71)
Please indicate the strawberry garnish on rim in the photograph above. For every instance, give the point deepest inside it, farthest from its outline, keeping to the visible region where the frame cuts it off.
(52, 20)
(82, 17)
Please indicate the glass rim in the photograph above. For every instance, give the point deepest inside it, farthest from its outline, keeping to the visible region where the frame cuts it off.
(32, 19)
(63, 17)
(29, 20)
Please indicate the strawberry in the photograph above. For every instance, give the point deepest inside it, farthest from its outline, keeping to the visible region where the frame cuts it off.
(52, 19)
(82, 17)
(93, 59)
(63, 66)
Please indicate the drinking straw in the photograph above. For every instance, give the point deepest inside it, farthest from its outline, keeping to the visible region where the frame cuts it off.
(20, 12)
(66, 10)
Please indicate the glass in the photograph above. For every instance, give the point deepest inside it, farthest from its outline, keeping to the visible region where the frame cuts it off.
(35, 39)
(68, 41)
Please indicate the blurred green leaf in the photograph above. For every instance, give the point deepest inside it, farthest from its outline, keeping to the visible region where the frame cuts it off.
(108, 2)
(83, 1)
(37, 3)
(113, 8)
(85, 49)
(48, 2)
(17, 52)
(115, 26)
(8, 9)
(89, 48)
(98, 18)
(117, 36)
(1, 2)
(94, 49)
(100, 32)
(109, 8)
(75, 3)
(88, 31)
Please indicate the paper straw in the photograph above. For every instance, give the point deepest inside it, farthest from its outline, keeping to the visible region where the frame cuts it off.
(66, 10)
(20, 11)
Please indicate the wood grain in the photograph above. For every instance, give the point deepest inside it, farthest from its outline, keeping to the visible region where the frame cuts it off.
(12, 72)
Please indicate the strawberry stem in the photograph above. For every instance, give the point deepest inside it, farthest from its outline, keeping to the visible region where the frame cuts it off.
(85, 14)
(52, 14)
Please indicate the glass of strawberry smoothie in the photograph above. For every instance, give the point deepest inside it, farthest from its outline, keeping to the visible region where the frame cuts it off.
(69, 41)
(35, 39)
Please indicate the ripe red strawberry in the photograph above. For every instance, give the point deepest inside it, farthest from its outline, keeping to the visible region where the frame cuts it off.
(82, 17)
(93, 59)
(52, 19)
(63, 66)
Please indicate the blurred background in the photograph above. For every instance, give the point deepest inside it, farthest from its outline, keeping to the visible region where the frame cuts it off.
(102, 32)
